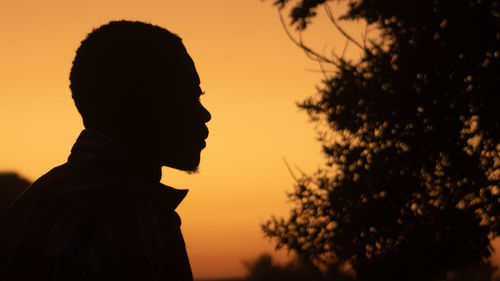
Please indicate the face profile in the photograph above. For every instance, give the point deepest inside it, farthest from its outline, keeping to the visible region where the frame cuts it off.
(186, 117)
(136, 83)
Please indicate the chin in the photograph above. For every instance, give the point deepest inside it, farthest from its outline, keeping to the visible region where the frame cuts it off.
(187, 164)
(191, 167)
(193, 171)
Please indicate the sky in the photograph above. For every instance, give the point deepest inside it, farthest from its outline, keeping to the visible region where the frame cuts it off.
(252, 74)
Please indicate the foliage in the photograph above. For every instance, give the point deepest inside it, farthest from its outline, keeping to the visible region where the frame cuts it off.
(11, 185)
(412, 138)
(473, 273)
(265, 269)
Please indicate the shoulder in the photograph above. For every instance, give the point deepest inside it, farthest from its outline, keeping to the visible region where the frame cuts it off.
(76, 210)
(78, 194)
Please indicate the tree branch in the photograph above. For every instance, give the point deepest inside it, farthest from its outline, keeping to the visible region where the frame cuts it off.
(329, 13)
(309, 52)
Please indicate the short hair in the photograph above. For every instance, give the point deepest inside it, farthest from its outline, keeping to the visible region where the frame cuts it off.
(117, 58)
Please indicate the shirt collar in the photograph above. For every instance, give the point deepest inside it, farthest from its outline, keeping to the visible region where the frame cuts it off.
(168, 196)
(92, 144)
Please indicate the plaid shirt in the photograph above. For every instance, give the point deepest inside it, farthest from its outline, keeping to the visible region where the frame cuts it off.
(97, 217)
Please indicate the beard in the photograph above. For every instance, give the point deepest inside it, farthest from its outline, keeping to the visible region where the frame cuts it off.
(187, 161)
(193, 171)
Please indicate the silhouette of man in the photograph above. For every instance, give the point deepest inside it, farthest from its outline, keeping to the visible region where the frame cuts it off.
(104, 215)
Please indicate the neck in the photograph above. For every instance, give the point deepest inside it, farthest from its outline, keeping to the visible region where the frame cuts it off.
(135, 160)
(140, 156)
(144, 167)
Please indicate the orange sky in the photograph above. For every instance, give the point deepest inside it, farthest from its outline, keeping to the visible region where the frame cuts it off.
(252, 73)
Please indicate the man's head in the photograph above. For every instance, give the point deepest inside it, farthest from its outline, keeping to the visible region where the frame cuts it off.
(136, 82)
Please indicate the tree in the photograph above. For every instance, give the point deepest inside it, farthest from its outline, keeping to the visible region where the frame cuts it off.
(473, 273)
(11, 185)
(411, 186)
(264, 269)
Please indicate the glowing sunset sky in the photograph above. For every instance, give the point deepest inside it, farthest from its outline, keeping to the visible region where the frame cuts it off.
(252, 74)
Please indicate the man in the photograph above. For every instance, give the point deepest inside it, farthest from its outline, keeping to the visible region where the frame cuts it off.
(104, 215)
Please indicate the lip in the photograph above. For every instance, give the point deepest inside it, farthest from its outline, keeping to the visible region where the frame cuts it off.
(205, 132)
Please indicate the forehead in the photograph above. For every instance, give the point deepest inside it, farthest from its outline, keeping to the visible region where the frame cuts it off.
(192, 70)
(178, 79)
(185, 70)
